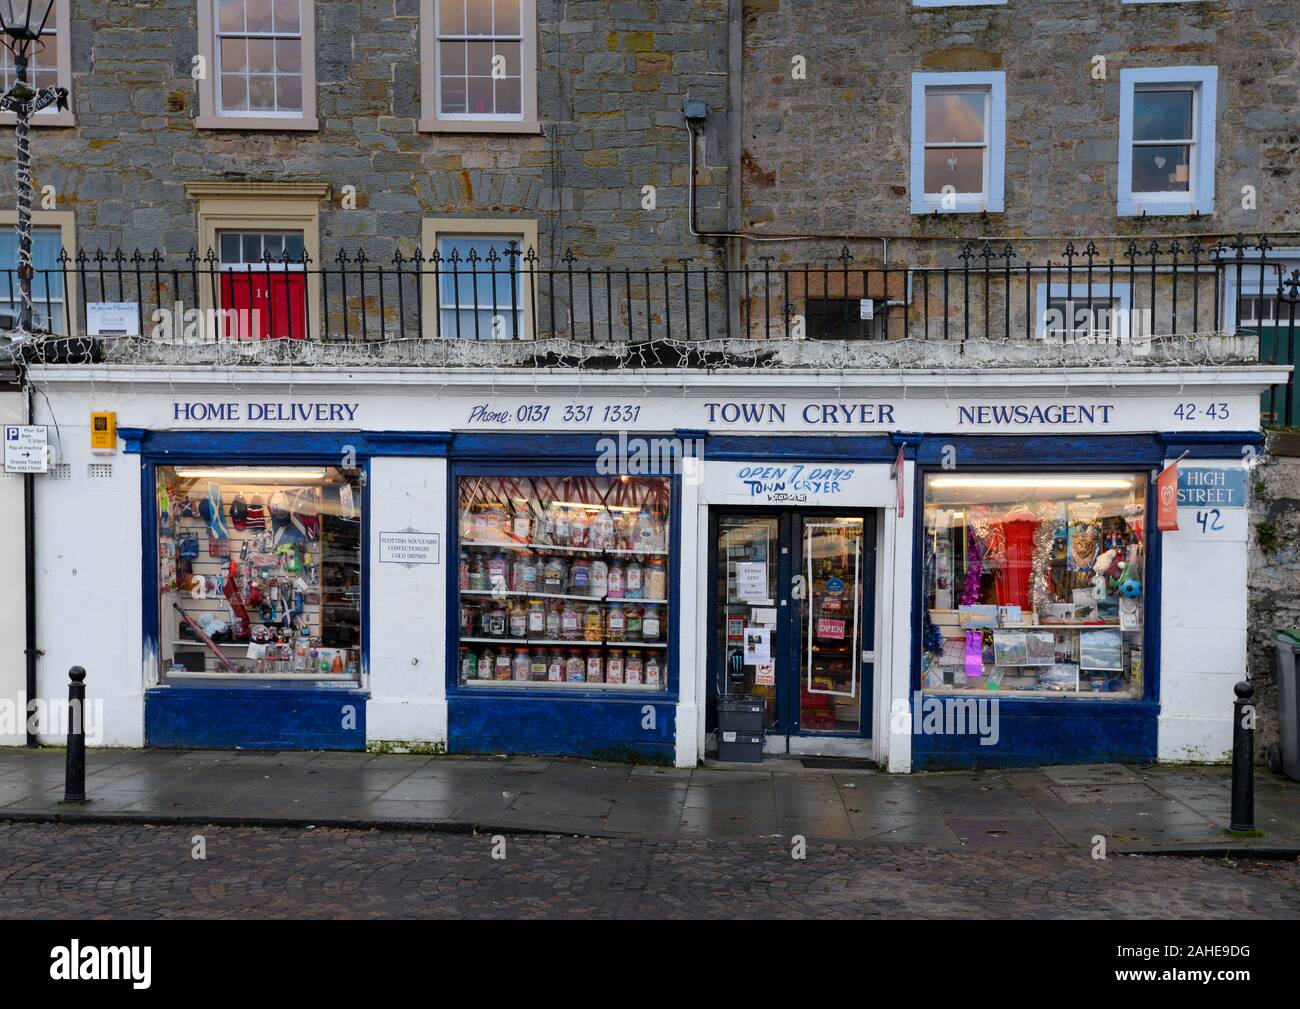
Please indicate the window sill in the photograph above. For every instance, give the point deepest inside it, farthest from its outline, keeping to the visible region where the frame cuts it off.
(963, 207)
(529, 127)
(259, 123)
(58, 119)
(1131, 206)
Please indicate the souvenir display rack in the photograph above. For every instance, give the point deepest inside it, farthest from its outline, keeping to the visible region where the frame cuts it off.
(1035, 589)
(276, 593)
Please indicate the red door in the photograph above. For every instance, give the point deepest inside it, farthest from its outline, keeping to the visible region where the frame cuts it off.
(266, 304)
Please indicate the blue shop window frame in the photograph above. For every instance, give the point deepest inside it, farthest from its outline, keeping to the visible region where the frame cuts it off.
(219, 716)
(590, 723)
(1042, 730)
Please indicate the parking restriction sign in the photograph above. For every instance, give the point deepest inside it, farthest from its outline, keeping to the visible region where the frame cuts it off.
(26, 448)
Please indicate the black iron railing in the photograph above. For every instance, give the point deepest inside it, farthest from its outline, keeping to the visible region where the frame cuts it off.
(1090, 293)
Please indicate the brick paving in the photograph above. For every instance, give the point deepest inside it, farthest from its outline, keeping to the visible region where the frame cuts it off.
(147, 872)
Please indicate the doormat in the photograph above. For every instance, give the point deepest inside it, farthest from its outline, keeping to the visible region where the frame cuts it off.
(838, 763)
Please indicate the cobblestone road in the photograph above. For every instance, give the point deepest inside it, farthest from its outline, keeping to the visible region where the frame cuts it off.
(137, 871)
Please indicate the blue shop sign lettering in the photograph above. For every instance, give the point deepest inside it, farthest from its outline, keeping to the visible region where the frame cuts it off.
(821, 414)
(1217, 487)
(1024, 414)
(279, 411)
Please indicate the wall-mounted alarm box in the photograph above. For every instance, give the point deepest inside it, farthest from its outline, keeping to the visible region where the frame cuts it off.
(103, 432)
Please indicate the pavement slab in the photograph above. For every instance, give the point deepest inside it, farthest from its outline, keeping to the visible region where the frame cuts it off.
(1134, 808)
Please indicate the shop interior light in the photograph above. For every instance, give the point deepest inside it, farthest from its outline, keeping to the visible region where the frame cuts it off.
(270, 474)
(1038, 482)
(596, 507)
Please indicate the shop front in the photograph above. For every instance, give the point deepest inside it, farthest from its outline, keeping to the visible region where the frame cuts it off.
(939, 575)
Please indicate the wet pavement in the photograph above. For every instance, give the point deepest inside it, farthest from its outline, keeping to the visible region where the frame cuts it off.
(1132, 808)
(141, 871)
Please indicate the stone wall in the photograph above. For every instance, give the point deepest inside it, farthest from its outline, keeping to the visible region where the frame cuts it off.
(612, 81)
(1274, 571)
(853, 109)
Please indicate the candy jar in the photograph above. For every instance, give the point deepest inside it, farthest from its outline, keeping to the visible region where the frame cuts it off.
(555, 666)
(616, 623)
(653, 676)
(524, 574)
(595, 671)
(580, 577)
(593, 623)
(632, 672)
(634, 580)
(518, 619)
(656, 579)
(651, 625)
(599, 579)
(616, 588)
(601, 535)
(554, 576)
(574, 668)
(578, 528)
(536, 618)
(570, 622)
(522, 665)
(614, 666)
(554, 618)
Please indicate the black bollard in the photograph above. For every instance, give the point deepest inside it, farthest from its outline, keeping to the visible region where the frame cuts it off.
(74, 779)
(1243, 759)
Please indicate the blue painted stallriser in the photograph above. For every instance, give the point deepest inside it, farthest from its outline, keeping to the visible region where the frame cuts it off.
(572, 727)
(251, 719)
(1032, 739)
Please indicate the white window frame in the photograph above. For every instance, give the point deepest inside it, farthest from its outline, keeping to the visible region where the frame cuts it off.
(210, 115)
(1288, 257)
(432, 119)
(1078, 294)
(61, 18)
(66, 223)
(992, 199)
(435, 229)
(1199, 198)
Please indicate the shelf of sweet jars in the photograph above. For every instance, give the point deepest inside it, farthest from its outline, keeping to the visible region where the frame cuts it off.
(548, 548)
(524, 593)
(561, 643)
(561, 684)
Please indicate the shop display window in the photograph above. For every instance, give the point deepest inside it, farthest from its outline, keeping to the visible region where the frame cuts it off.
(259, 574)
(1034, 582)
(564, 582)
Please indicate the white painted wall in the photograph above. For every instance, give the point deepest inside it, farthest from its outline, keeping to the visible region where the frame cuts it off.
(408, 665)
(88, 578)
(13, 596)
(1203, 632)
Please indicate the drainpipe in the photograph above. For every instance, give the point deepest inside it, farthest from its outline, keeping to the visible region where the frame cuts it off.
(30, 651)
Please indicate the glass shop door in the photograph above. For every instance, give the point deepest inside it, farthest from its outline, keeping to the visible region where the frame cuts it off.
(792, 596)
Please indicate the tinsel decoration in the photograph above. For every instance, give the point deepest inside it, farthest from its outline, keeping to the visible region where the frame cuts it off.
(1039, 591)
(970, 590)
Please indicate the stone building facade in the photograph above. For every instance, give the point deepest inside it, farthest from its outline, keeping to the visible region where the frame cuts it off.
(611, 81)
